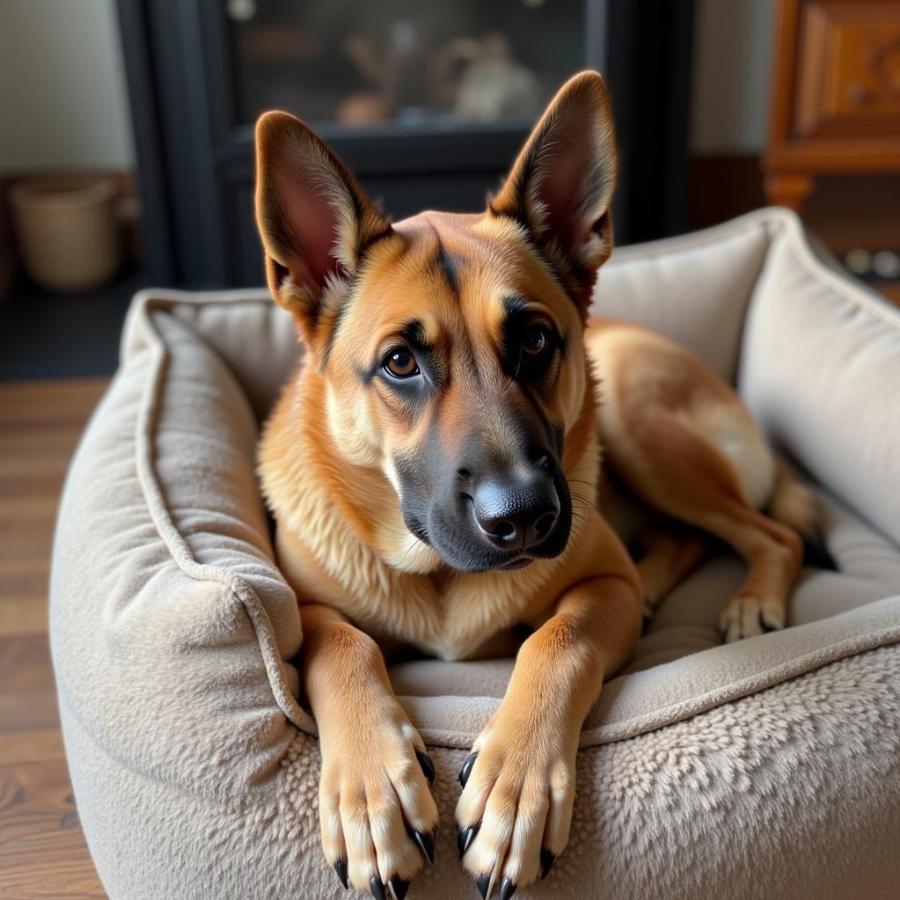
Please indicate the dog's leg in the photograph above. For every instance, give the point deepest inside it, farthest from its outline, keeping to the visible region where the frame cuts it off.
(519, 781)
(677, 469)
(377, 815)
(773, 553)
(682, 441)
(666, 559)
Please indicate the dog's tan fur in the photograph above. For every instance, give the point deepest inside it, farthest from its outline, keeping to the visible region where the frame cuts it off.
(675, 434)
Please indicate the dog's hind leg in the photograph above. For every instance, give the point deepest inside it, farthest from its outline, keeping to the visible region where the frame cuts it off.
(773, 553)
(676, 469)
(681, 440)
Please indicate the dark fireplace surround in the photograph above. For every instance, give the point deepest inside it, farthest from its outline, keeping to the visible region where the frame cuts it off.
(195, 158)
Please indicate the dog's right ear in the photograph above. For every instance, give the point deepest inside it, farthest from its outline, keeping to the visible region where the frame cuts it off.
(315, 222)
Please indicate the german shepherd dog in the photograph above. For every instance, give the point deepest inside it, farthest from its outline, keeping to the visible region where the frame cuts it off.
(433, 470)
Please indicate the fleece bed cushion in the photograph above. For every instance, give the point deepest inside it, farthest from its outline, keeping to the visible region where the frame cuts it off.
(174, 635)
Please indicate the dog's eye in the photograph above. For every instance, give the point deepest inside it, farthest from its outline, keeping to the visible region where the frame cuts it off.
(536, 340)
(400, 363)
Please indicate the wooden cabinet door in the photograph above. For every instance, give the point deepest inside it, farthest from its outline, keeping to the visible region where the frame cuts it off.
(848, 74)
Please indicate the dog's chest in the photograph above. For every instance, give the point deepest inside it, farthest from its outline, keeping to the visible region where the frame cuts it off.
(460, 613)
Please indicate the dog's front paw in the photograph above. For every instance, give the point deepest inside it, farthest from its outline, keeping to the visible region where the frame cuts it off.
(516, 806)
(377, 814)
(746, 615)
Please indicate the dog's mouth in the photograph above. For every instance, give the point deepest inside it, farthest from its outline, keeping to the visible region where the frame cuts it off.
(519, 562)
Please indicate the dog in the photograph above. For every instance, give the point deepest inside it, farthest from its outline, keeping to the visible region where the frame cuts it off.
(433, 472)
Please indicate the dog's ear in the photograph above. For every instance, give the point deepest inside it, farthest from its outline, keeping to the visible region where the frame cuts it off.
(561, 184)
(314, 219)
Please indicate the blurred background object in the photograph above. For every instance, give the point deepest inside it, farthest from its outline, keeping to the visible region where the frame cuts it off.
(64, 123)
(66, 230)
(835, 110)
(813, 121)
(428, 101)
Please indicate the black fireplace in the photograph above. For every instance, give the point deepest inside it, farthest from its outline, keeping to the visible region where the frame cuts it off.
(426, 100)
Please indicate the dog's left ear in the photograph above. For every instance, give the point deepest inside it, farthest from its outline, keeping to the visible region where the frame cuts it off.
(561, 184)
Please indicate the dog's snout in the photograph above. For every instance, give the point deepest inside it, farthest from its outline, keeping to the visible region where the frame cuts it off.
(516, 514)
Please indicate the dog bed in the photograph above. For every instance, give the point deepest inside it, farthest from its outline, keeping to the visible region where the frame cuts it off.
(767, 768)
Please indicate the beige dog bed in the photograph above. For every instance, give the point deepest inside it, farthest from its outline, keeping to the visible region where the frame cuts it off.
(768, 768)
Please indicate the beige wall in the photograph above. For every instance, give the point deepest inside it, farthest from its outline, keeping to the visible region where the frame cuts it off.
(732, 64)
(63, 97)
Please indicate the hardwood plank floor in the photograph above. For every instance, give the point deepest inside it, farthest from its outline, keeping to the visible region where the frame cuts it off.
(42, 849)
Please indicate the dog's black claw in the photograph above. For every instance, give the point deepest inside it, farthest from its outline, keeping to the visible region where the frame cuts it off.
(483, 882)
(547, 860)
(399, 887)
(465, 836)
(376, 888)
(507, 888)
(466, 769)
(425, 842)
(340, 868)
(426, 764)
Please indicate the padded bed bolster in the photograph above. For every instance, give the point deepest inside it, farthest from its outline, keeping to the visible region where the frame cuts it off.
(163, 588)
(765, 769)
(820, 371)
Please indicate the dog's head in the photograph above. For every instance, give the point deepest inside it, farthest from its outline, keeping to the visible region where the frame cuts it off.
(450, 346)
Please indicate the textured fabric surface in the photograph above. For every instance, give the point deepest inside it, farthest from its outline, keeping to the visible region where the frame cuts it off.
(767, 768)
(793, 792)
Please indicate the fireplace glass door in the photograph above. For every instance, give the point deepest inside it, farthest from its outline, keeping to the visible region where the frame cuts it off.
(404, 64)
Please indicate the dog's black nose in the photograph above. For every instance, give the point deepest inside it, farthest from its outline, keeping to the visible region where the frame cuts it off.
(519, 513)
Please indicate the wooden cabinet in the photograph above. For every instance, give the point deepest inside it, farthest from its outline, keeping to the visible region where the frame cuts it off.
(835, 104)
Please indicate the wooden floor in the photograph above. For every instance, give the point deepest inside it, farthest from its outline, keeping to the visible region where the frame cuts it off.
(42, 848)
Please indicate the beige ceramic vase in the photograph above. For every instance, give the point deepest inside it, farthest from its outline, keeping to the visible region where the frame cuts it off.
(67, 230)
